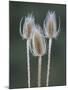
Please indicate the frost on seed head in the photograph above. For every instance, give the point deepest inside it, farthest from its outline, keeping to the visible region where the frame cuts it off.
(38, 45)
(28, 25)
(50, 25)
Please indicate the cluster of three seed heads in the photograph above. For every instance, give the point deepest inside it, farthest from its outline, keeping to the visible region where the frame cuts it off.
(35, 37)
(34, 32)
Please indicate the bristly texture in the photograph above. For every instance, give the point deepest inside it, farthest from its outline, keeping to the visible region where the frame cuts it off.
(50, 25)
(28, 25)
(38, 45)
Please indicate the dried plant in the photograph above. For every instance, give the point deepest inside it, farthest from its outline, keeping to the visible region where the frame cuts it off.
(36, 40)
(38, 48)
(50, 30)
(26, 33)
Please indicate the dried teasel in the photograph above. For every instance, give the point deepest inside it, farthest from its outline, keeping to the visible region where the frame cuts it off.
(26, 33)
(50, 30)
(38, 48)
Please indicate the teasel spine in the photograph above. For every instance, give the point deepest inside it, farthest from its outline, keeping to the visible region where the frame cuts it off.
(21, 34)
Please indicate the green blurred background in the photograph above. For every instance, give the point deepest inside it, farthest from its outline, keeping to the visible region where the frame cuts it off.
(18, 62)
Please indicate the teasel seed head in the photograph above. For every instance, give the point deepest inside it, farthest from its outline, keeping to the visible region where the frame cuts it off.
(50, 25)
(28, 25)
(38, 44)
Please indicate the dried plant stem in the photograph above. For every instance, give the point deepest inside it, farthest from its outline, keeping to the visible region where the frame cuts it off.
(28, 63)
(49, 56)
(39, 71)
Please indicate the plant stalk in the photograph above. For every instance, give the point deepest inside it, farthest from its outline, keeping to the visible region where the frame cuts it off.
(28, 63)
(39, 71)
(49, 59)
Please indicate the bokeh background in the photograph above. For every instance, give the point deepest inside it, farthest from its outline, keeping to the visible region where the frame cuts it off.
(18, 62)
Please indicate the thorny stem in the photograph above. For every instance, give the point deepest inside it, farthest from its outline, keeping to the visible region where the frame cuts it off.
(49, 57)
(28, 63)
(39, 71)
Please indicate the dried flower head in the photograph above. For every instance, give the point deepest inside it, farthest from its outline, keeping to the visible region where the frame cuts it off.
(29, 23)
(50, 25)
(38, 45)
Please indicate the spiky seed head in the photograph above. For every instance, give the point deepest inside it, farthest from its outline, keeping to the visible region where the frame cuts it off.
(50, 25)
(28, 27)
(38, 47)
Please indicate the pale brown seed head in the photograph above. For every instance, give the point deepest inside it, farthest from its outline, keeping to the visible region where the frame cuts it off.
(28, 27)
(50, 29)
(50, 25)
(38, 43)
(29, 30)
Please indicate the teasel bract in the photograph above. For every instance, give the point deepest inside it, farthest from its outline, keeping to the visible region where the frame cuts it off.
(50, 30)
(38, 48)
(26, 33)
